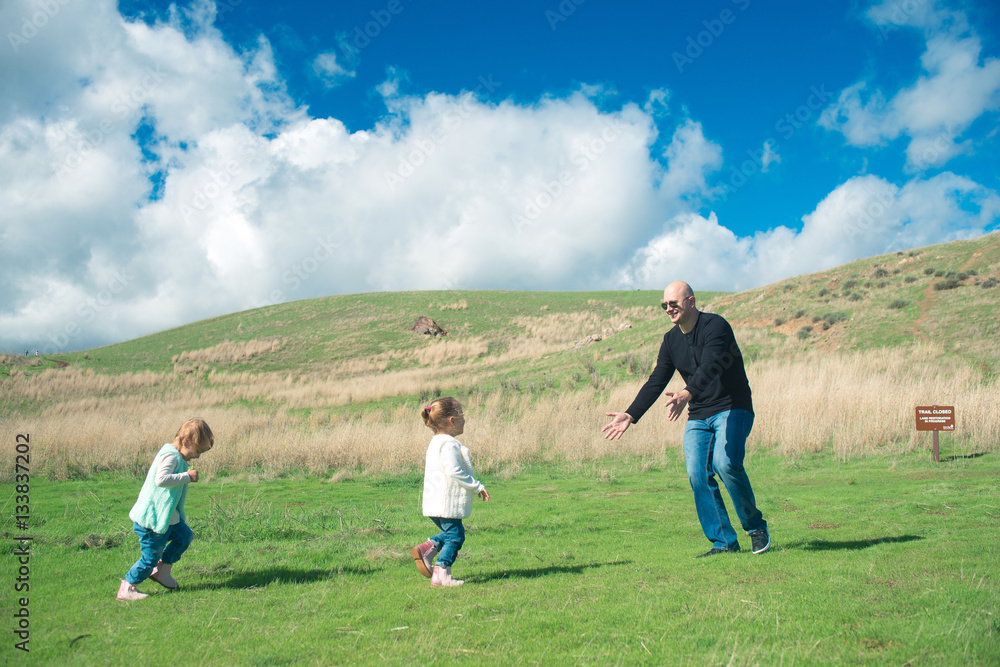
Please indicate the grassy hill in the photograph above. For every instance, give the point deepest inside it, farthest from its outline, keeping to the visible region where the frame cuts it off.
(922, 322)
(941, 293)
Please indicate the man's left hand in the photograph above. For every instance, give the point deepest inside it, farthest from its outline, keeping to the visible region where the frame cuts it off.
(678, 401)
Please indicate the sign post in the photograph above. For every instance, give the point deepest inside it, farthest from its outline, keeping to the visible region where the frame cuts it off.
(936, 418)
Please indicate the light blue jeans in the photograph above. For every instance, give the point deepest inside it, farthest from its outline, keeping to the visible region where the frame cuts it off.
(449, 540)
(168, 547)
(716, 446)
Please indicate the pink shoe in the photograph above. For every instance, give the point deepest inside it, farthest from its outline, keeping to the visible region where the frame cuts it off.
(127, 593)
(442, 577)
(423, 556)
(161, 575)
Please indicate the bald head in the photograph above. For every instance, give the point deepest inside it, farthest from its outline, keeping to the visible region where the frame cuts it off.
(677, 290)
(683, 312)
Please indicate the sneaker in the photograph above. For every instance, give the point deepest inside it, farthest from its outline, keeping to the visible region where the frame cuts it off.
(442, 577)
(128, 593)
(712, 552)
(760, 541)
(161, 575)
(423, 557)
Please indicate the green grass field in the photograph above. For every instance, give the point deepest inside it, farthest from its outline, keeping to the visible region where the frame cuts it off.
(880, 556)
(880, 561)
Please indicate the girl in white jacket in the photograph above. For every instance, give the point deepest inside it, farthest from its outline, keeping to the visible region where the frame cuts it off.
(449, 489)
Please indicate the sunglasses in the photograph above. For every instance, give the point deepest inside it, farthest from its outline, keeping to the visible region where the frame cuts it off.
(666, 305)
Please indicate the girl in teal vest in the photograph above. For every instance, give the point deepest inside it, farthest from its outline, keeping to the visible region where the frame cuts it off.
(158, 515)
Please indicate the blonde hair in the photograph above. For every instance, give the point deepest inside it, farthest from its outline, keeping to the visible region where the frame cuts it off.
(437, 413)
(197, 430)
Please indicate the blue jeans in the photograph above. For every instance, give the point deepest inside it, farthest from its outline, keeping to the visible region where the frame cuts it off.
(449, 540)
(716, 446)
(155, 547)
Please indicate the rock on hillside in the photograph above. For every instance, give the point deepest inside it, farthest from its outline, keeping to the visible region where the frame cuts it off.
(427, 326)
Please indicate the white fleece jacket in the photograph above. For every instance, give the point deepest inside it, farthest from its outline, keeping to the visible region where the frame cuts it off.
(449, 484)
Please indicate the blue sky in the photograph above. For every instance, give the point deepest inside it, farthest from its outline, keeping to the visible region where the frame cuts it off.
(168, 162)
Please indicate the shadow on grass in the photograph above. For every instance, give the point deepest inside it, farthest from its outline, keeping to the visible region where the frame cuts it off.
(534, 573)
(962, 456)
(274, 575)
(852, 545)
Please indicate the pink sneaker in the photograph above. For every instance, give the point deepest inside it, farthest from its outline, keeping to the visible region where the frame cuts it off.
(442, 577)
(128, 593)
(161, 575)
(423, 556)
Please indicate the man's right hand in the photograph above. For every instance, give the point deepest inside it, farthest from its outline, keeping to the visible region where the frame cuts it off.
(619, 424)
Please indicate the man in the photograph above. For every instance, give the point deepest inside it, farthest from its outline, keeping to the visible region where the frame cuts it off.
(703, 349)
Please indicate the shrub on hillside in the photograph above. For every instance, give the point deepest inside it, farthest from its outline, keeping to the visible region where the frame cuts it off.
(880, 273)
(939, 274)
(824, 292)
(803, 333)
(988, 283)
(834, 317)
(849, 285)
(778, 321)
(800, 313)
(910, 279)
(855, 297)
(949, 283)
(898, 304)
(929, 271)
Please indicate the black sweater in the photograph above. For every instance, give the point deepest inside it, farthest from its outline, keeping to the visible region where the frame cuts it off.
(710, 362)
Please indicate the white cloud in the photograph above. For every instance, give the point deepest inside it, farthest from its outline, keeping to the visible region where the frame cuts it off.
(863, 217)
(768, 156)
(957, 87)
(329, 70)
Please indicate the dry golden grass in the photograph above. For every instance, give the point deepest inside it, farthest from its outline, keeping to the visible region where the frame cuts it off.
(228, 352)
(451, 349)
(854, 403)
(458, 305)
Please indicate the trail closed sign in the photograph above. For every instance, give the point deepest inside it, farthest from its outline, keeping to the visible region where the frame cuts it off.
(935, 417)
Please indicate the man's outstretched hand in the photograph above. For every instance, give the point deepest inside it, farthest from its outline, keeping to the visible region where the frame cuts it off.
(618, 425)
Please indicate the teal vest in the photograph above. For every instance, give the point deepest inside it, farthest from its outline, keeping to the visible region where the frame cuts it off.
(156, 504)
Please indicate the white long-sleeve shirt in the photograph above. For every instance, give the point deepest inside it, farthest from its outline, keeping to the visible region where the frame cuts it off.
(449, 482)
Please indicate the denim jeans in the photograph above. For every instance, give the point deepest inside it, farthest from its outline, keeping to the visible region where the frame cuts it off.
(155, 547)
(716, 446)
(449, 540)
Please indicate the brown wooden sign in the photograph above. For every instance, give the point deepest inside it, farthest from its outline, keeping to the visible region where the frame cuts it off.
(935, 417)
